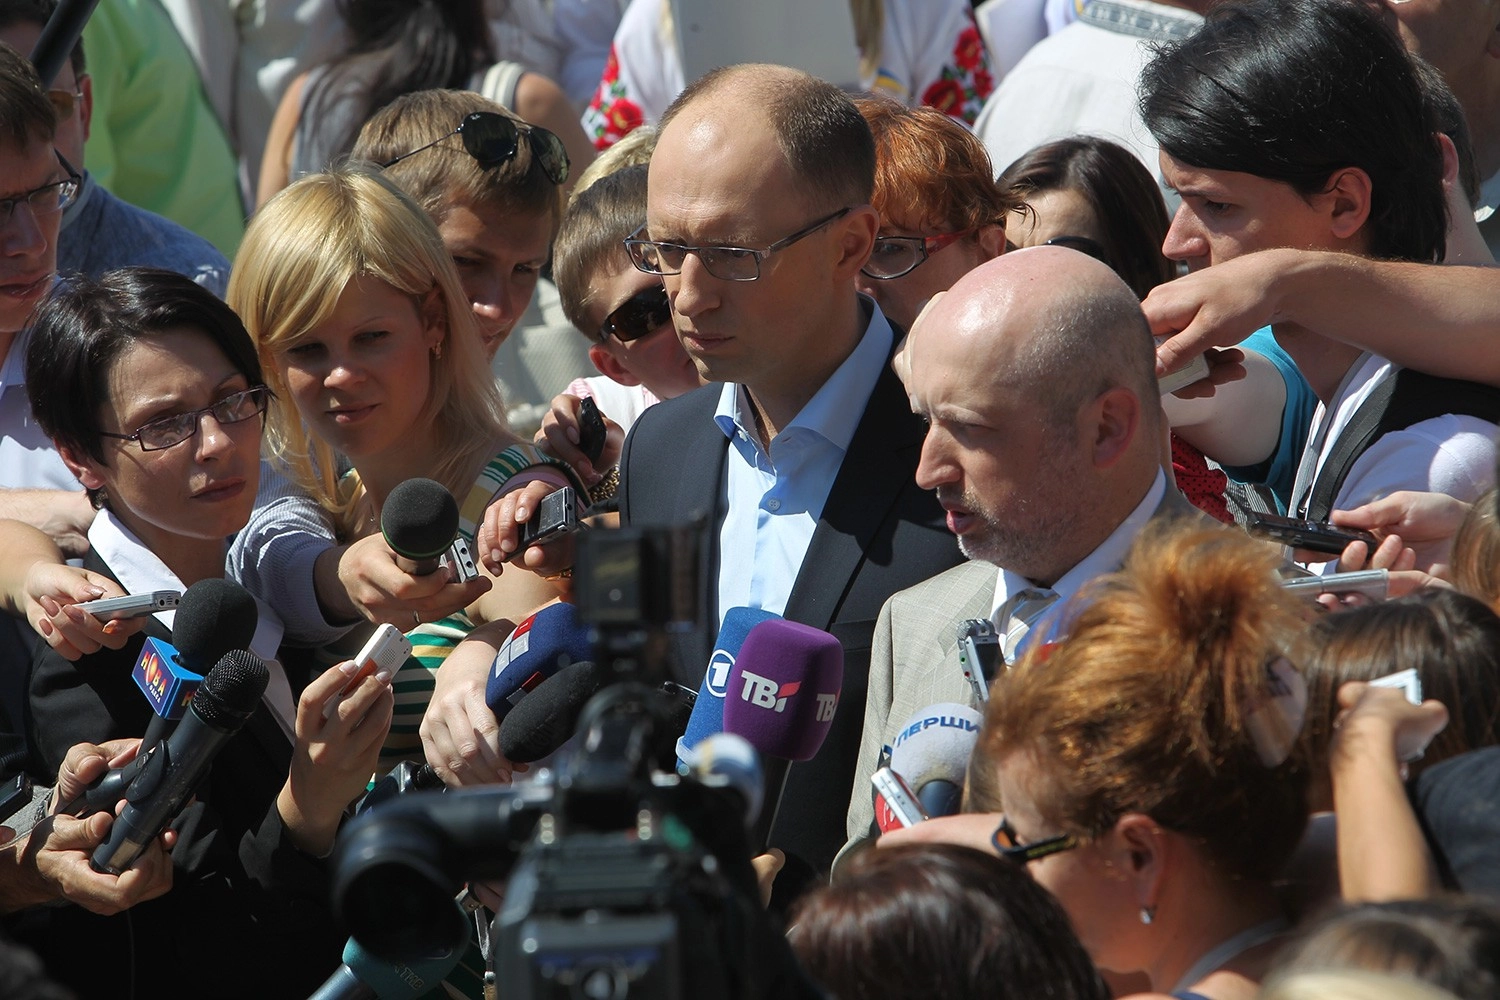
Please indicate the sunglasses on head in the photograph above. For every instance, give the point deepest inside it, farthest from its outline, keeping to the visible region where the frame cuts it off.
(641, 314)
(493, 140)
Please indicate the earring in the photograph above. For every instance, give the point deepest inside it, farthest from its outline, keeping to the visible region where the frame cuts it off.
(1148, 914)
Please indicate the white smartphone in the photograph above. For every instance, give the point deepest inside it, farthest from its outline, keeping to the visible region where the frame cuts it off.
(110, 609)
(386, 650)
(1186, 375)
(898, 798)
(1411, 746)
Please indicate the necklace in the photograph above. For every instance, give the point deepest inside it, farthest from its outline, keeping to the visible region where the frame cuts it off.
(1232, 948)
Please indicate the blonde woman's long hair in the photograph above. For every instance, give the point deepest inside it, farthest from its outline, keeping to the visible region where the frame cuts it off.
(300, 251)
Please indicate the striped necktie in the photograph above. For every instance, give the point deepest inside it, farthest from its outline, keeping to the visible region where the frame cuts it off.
(1018, 614)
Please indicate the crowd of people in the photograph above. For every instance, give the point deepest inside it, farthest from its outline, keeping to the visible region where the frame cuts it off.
(1123, 406)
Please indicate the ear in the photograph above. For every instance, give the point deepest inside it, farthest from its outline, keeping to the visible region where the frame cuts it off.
(1114, 419)
(991, 240)
(1347, 202)
(86, 115)
(856, 239)
(1140, 854)
(1450, 161)
(610, 367)
(84, 469)
(434, 317)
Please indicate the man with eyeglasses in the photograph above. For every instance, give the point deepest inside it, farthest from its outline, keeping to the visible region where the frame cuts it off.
(35, 188)
(101, 232)
(758, 222)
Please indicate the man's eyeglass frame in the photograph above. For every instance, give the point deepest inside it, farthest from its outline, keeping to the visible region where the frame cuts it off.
(714, 256)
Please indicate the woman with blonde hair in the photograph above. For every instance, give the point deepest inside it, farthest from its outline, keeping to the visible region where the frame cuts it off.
(369, 344)
(1149, 770)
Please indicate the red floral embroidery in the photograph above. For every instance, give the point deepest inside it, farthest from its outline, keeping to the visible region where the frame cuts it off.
(624, 116)
(984, 83)
(947, 96)
(611, 67)
(969, 52)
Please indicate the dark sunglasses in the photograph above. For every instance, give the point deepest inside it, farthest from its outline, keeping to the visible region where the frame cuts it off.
(493, 139)
(641, 314)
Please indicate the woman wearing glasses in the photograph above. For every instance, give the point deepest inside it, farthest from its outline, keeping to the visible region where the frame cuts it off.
(1150, 771)
(152, 393)
(360, 320)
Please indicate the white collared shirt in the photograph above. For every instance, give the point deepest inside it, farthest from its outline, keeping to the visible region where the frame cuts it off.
(1107, 557)
(140, 571)
(775, 497)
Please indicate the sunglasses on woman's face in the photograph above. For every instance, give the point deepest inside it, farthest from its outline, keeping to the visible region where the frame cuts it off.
(493, 140)
(641, 314)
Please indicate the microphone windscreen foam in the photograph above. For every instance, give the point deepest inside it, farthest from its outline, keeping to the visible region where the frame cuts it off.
(540, 725)
(784, 688)
(214, 617)
(231, 691)
(538, 648)
(708, 710)
(419, 519)
(935, 745)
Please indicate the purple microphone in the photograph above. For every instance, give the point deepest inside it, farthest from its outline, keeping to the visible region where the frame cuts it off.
(782, 693)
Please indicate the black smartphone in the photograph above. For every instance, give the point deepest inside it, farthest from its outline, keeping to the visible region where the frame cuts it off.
(1316, 536)
(15, 793)
(555, 516)
(590, 430)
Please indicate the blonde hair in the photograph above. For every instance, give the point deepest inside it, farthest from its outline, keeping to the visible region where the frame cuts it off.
(299, 253)
(1350, 985)
(1147, 706)
(1476, 552)
(446, 175)
(633, 150)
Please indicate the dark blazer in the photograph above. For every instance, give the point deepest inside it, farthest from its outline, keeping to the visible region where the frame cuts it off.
(247, 914)
(878, 533)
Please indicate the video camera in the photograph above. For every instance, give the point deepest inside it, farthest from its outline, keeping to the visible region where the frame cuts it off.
(624, 878)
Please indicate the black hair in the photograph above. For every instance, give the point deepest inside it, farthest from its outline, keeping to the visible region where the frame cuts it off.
(399, 47)
(39, 12)
(79, 330)
(1120, 191)
(1295, 90)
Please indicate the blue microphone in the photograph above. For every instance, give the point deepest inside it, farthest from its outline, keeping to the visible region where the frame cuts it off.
(539, 647)
(708, 710)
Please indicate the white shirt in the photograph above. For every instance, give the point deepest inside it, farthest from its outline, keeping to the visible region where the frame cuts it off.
(1107, 557)
(1453, 453)
(141, 571)
(774, 499)
(27, 458)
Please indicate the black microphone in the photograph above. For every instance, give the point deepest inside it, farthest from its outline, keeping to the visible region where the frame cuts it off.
(547, 718)
(228, 696)
(215, 616)
(419, 521)
(59, 35)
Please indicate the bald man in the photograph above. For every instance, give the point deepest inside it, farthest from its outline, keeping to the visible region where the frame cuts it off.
(758, 220)
(1036, 375)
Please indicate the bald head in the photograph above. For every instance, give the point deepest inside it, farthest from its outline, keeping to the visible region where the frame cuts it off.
(821, 135)
(1051, 319)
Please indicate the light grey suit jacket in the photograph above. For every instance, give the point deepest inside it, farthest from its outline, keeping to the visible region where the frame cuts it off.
(914, 660)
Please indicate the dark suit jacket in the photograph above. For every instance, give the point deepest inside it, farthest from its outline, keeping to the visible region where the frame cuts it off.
(247, 914)
(878, 533)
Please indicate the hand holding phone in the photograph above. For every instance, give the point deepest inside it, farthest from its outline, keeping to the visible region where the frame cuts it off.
(591, 430)
(900, 801)
(385, 651)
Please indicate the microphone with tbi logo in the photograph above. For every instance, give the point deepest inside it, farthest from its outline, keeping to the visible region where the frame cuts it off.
(708, 710)
(419, 521)
(228, 696)
(539, 647)
(783, 691)
(932, 753)
(215, 616)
